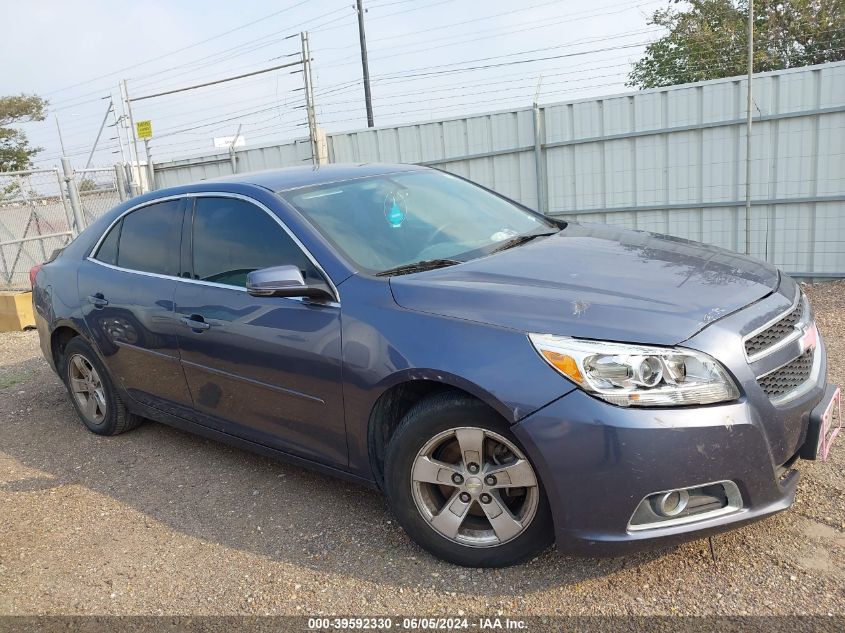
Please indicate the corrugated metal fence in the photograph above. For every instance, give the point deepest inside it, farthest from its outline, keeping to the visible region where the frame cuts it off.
(212, 165)
(669, 160)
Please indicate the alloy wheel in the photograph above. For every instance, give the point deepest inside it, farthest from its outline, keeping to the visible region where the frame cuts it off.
(474, 487)
(87, 389)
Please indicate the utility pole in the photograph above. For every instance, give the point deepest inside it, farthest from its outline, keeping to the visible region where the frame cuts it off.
(368, 98)
(127, 110)
(309, 98)
(748, 129)
(117, 126)
(99, 132)
(61, 140)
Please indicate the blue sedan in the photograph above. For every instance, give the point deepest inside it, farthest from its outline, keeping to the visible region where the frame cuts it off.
(507, 379)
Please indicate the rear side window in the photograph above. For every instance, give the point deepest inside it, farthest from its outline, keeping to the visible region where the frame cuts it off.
(150, 239)
(107, 253)
(233, 237)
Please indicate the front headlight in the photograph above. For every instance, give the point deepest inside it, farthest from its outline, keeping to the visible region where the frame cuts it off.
(637, 375)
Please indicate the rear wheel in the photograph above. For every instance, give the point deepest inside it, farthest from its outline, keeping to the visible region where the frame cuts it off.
(92, 392)
(462, 487)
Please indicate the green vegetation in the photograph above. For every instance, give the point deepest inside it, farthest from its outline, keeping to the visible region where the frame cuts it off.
(708, 39)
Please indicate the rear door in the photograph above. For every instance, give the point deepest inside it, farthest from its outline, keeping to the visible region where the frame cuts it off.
(126, 289)
(264, 368)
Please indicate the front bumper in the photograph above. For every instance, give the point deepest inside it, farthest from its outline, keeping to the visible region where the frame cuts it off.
(598, 461)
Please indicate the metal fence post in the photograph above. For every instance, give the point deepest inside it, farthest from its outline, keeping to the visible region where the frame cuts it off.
(6, 273)
(151, 175)
(73, 194)
(542, 205)
(233, 159)
(120, 179)
(63, 197)
(151, 185)
(130, 176)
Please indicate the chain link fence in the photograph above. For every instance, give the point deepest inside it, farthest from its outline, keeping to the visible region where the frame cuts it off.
(98, 191)
(42, 210)
(35, 219)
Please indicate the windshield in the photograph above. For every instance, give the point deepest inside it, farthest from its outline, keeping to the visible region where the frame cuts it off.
(393, 220)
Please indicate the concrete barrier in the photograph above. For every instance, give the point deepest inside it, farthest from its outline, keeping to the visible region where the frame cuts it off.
(16, 311)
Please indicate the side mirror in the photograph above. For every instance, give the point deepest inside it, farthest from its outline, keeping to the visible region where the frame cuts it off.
(282, 281)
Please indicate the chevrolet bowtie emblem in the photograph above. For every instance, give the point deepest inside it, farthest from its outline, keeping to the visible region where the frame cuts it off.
(809, 337)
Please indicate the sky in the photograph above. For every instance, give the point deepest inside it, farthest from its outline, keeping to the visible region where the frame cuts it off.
(428, 59)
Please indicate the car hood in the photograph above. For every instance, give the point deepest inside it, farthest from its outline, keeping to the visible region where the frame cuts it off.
(595, 281)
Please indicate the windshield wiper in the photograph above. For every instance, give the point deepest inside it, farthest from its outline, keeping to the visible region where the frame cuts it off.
(418, 267)
(516, 241)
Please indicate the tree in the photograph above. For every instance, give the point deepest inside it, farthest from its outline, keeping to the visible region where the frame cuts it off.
(708, 39)
(15, 151)
(87, 185)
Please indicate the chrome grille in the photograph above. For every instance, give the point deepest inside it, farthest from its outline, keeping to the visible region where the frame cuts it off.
(775, 333)
(789, 377)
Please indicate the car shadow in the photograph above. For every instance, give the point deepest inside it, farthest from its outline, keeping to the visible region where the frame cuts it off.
(223, 495)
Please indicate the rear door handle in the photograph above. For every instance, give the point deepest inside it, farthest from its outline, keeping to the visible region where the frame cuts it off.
(98, 301)
(195, 322)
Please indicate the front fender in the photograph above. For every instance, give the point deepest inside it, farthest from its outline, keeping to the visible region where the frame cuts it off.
(385, 345)
(449, 379)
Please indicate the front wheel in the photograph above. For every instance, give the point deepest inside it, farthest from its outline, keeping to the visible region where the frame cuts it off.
(461, 486)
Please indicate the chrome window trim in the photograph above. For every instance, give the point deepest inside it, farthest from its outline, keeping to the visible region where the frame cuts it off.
(102, 237)
(212, 194)
(735, 505)
(799, 299)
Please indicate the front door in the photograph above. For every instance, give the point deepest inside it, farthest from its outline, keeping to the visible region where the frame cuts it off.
(126, 291)
(267, 369)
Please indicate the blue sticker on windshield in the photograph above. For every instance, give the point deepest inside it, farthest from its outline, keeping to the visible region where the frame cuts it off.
(395, 209)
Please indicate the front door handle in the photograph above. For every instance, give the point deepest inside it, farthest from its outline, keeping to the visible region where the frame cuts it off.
(98, 301)
(195, 322)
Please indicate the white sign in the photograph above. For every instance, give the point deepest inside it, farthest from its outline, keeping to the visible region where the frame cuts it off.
(226, 141)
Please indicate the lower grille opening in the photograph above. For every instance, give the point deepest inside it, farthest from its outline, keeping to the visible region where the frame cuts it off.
(685, 505)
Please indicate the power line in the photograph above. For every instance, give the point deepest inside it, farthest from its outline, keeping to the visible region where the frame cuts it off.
(470, 21)
(496, 32)
(446, 68)
(254, 44)
(388, 15)
(218, 81)
(179, 50)
(216, 122)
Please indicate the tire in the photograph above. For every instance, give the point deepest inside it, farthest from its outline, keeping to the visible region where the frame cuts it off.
(93, 395)
(429, 470)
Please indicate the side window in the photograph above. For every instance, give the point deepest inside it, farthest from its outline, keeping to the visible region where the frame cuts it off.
(150, 239)
(232, 237)
(107, 253)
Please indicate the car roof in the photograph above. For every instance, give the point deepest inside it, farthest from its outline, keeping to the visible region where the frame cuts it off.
(295, 177)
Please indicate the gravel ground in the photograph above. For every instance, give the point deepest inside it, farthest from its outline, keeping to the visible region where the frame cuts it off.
(157, 521)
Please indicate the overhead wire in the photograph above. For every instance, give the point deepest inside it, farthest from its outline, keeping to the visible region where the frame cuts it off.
(182, 49)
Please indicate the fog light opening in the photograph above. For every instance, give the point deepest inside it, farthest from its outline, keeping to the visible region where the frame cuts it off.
(670, 504)
(686, 505)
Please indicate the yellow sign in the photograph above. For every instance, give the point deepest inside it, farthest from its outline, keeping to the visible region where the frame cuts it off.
(144, 129)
